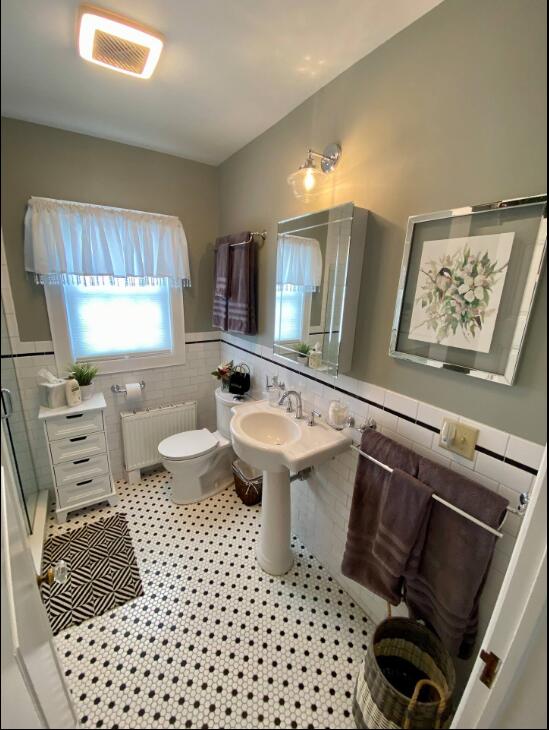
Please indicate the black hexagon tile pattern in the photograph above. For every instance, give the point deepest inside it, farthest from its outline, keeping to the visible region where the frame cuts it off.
(214, 642)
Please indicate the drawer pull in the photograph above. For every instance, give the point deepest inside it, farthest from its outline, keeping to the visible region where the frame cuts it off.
(75, 415)
(78, 438)
(81, 461)
(86, 481)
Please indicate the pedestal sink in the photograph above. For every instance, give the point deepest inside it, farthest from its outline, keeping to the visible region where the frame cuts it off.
(278, 443)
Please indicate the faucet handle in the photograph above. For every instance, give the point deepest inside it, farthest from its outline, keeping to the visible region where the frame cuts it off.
(311, 421)
(272, 384)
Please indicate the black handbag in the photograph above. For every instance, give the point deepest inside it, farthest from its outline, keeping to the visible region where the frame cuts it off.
(239, 380)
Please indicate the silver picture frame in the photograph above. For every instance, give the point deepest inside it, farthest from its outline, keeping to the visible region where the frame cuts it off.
(507, 374)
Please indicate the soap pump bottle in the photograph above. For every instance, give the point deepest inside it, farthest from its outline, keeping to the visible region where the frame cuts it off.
(315, 357)
(72, 392)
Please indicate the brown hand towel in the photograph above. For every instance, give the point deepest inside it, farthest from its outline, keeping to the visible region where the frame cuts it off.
(359, 561)
(221, 282)
(444, 580)
(242, 316)
(405, 509)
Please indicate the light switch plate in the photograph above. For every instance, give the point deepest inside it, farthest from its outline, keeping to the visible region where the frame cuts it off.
(464, 438)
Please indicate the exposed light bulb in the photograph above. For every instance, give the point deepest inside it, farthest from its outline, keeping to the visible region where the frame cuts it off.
(309, 180)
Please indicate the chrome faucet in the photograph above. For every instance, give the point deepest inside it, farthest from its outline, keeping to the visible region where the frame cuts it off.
(287, 396)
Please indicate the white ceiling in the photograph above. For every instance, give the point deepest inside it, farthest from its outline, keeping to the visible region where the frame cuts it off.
(230, 68)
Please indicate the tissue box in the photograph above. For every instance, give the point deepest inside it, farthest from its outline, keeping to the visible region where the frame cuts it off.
(52, 395)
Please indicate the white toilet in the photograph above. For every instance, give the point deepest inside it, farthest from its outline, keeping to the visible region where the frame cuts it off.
(200, 461)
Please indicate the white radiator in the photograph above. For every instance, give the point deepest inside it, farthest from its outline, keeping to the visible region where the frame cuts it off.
(144, 430)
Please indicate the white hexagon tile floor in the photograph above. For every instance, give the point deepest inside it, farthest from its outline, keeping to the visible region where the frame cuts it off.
(214, 642)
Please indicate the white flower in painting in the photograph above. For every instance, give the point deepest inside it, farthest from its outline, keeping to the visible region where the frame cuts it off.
(456, 293)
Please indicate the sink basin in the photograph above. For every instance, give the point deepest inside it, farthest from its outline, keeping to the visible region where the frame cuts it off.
(278, 443)
(274, 441)
(269, 428)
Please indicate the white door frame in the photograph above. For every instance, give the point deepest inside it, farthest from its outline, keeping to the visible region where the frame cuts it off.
(520, 606)
(31, 670)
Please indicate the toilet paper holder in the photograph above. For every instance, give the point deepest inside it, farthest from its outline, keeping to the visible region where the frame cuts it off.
(122, 388)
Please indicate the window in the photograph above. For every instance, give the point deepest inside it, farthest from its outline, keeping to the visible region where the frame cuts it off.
(121, 327)
(290, 314)
(113, 320)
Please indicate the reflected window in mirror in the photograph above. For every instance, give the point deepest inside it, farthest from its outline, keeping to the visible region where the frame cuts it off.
(319, 266)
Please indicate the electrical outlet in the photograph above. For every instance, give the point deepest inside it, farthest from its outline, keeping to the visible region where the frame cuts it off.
(459, 438)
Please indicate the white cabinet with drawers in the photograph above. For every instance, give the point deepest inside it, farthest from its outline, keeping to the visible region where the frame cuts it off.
(79, 459)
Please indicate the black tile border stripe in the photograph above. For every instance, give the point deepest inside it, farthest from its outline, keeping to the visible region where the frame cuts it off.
(27, 354)
(199, 342)
(51, 352)
(403, 416)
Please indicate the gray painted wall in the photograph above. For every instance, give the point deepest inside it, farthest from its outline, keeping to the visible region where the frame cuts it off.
(39, 160)
(449, 112)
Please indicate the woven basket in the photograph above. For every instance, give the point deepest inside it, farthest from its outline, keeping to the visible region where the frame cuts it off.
(407, 679)
(248, 487)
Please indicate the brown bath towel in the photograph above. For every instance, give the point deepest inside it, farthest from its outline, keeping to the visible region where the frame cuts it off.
(405, 510)
(444, 581)
(242, 315)
(223, 277)
(359, 561)
(221, 282)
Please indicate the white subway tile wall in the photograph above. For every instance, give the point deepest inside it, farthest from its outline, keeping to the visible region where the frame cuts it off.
(176, 384)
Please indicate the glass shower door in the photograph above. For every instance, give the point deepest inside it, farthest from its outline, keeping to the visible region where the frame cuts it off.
(14, 431)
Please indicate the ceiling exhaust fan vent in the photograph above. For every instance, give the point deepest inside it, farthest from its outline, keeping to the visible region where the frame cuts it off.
(118, 43)
(119, 53)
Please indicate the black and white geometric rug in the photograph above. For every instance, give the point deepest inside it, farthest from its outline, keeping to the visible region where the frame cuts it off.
(103, 572)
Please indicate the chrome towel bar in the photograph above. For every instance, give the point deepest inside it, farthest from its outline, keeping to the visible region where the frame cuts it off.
(372, 424)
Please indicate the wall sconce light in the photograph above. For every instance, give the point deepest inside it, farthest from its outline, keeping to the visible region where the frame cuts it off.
(304, 179)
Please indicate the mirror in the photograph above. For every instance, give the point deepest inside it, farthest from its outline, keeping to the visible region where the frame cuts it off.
(318, 274)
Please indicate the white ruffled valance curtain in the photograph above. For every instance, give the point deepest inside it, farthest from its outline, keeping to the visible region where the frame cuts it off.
(299, 263)
(68, 242)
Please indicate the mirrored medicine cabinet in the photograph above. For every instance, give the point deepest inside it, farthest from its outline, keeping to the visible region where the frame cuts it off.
(318, 276)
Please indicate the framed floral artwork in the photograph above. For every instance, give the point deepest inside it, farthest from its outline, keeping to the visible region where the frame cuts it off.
(467, 284)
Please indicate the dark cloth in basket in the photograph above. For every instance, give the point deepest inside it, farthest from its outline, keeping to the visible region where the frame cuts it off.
(400, 653)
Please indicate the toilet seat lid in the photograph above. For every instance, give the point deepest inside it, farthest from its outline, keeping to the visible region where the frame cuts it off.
(187, 445)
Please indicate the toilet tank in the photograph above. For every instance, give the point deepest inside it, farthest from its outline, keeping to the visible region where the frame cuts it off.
(223, 403)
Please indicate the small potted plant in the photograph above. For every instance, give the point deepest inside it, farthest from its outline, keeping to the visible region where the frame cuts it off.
(303, 350)
(223, 373)
(84, 373)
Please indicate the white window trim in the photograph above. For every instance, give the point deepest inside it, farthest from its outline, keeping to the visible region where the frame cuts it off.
(127, 363)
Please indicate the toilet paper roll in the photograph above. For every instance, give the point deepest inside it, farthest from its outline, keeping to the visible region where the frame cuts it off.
(134, 394)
